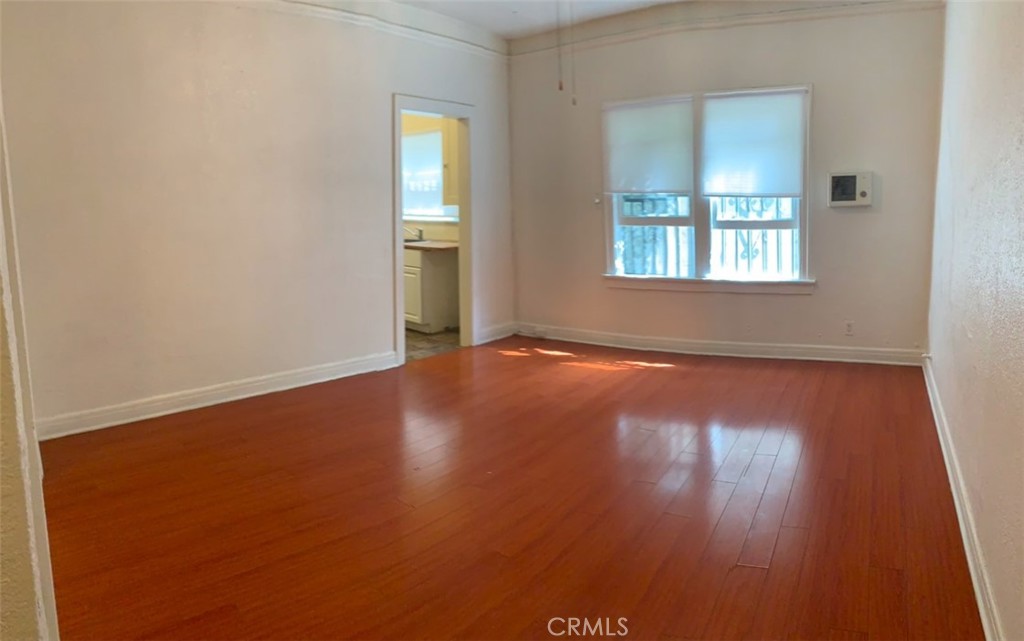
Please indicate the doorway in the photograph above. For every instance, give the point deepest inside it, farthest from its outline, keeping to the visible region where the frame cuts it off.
(432, 197)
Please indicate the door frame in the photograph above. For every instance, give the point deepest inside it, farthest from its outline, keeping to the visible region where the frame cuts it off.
(465, 114)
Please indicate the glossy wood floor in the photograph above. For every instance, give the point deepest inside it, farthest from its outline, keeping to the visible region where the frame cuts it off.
(480, 493)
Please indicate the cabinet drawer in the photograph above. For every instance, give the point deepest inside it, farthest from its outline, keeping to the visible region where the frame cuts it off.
(413, 258)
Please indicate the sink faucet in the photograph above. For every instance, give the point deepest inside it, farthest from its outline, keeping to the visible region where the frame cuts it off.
(415, 231)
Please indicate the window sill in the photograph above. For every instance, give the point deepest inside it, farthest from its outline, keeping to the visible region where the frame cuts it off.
(784, 287)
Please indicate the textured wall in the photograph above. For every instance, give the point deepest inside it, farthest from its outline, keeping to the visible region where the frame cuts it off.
(18, 620)
(18, 614)
(880, 113)
(977, 304)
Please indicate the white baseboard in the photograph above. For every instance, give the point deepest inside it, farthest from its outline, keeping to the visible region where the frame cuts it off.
(94, 419)
(728, 348)
(495, 332)
(965, 515)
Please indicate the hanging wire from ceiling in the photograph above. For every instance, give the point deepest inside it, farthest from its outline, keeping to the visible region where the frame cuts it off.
(572, 54)
(558, 41)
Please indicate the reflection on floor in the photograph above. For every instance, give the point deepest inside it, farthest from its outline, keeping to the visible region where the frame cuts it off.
(419, 345)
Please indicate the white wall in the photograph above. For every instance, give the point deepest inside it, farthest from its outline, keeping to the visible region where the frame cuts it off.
(976, 322)
(876, 83)
(203, 190)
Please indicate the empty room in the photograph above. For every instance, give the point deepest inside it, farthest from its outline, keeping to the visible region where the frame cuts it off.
(512, 319)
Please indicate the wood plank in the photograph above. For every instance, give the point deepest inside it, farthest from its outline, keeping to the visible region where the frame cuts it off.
(736, 605)
(764, 530)
(708, 578)
(887, 541)
(888, 605)
(661, 601)
(771, 618)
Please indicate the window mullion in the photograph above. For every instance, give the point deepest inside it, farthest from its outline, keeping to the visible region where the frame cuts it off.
(611, 219)
(805, 223)
(699, 206)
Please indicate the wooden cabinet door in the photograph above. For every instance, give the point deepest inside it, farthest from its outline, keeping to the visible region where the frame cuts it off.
(413, 294)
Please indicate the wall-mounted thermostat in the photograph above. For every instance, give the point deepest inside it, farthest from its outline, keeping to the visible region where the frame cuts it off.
(849, 189)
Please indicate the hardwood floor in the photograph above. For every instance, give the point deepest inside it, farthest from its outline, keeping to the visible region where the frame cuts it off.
(480, 493)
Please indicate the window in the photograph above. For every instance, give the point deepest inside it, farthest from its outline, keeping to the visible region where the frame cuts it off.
(725, 204)
(650, 183)
(422, 174)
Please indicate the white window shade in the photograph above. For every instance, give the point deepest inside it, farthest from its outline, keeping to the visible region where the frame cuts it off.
(649, 148)
(422, 174)
(754, 145)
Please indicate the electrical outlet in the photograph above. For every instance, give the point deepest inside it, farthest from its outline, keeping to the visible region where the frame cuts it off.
(849, 328)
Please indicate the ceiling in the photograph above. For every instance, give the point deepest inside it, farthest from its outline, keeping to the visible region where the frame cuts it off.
(516, 18)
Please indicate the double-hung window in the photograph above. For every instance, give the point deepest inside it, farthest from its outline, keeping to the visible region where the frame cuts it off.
(708, 186)
(649, 182)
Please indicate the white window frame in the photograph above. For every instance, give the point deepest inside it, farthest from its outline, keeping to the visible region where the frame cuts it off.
(700, 212)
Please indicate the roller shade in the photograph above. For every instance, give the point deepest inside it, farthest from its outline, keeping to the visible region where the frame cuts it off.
(754, 144)
(422, 176)
(649, 147)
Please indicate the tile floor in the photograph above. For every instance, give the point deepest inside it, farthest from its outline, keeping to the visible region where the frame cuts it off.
(419, 345)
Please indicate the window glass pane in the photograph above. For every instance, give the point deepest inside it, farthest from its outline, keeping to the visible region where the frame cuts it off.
(755, 254)
(740, 208)
(653, 250)
(754, 144)
(649, 148)
(422, 184)
(652, 205)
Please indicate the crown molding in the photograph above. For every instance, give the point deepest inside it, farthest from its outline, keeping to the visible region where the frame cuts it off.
(669, 19)
(393, 18)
